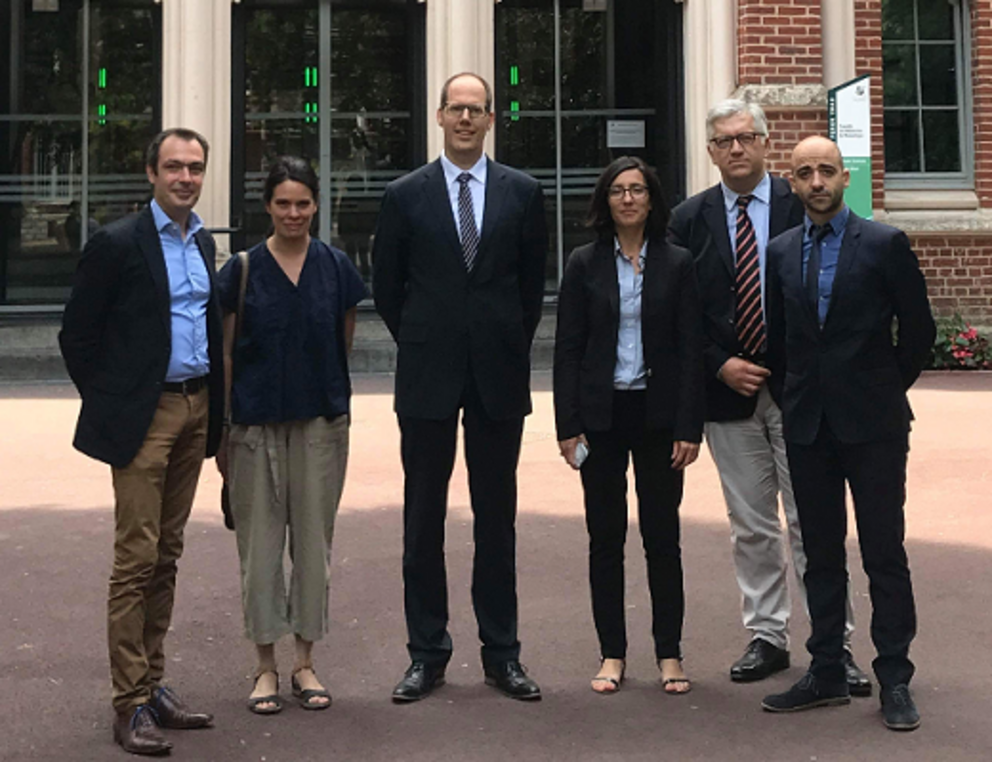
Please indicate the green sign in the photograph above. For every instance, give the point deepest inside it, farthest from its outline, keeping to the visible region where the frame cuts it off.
(849, 126)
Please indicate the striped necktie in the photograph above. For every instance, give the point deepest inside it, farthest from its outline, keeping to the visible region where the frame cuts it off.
(749, 318)
(466, 221)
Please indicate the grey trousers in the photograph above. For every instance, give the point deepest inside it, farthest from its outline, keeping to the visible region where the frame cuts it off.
(286, 479)
(750, 456)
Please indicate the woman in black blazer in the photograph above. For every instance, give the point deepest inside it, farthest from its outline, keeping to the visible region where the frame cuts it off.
(628, 382)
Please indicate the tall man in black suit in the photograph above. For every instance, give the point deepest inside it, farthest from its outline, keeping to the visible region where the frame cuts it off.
(141, 338)
(458, 278)
(836, 285)
(727, 228)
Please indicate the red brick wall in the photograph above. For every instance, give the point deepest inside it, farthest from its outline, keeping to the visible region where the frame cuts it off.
(981, 79)
(958, 270)
(779, 42)
(868, 60)
(788, 127)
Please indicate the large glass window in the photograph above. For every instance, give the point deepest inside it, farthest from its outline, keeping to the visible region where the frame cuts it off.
(79, 98)
(612, 85)
(371, 52)
(926, 115)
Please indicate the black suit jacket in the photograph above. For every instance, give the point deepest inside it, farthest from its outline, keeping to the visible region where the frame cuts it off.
(586, 341)
(449, 323)
(700, 224)
(116, 338)
(851, 372)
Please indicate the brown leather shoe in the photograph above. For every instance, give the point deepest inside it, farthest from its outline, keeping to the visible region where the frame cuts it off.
(137, 732)
(171, 712)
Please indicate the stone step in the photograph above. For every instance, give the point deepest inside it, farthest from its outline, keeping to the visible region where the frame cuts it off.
(29, 349)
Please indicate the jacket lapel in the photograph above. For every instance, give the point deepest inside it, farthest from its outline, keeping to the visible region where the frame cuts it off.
(437, 193)
(151, 248)
(496, 185)
(715, 214)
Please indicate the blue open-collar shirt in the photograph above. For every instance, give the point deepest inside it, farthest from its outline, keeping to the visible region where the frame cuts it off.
(629, 373)
(829, 254)
(189, 293)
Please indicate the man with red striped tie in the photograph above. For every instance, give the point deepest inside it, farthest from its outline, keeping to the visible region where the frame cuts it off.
(727, 228)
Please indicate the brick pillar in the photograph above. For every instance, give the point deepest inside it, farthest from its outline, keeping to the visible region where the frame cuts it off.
(868, 60)
(981, 84)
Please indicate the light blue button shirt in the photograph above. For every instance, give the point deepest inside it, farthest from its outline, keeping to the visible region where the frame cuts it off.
(189, 292)
(829, 254)
(629, 372)
(759, 210)
(477, 186)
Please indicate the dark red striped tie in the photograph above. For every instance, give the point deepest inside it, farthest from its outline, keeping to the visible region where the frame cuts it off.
(750, 320)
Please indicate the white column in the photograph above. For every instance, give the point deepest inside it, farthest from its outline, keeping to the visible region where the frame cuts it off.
(196, 91)
(460, 37)
(710, 54)
(838, 41)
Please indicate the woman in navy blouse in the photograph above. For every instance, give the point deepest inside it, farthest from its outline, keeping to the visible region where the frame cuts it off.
(628, 381)
(288, 441)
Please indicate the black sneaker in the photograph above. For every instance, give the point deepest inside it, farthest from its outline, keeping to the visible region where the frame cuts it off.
(898, 710)
(807, 694)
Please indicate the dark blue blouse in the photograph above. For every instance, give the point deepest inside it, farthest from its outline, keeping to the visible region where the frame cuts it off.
(290, 362)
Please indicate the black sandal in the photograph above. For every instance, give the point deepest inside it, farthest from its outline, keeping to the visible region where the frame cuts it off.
(666, 681)
(254, 704)
(613, 681)
(305, 697)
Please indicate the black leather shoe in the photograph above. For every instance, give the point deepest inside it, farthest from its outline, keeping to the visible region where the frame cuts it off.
(418, 682)
(171, 712)
(137, 733)
(808, 693)
(898, 710)
(857, 681)
(760, 660)
(509, 678)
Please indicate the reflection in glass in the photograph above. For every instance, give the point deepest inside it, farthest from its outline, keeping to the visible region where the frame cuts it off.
(938, 75)
(902, 141)
(897, 20)
(936, 19)
(899, 75)
(940, 137)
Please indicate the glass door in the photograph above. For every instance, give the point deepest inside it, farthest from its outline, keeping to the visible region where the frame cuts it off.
(358, 62)
(579, 83)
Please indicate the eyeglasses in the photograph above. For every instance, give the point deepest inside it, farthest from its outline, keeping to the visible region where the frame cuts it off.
(475, 111)
(636, 192)
(723, 142)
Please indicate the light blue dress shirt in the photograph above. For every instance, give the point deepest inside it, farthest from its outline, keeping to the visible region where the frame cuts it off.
(629, 372)
(829, 254)
(477, 186)
(759, 210)
(189, 292)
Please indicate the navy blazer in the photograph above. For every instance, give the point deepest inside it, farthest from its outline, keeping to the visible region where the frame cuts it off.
(700, 224)
(852, 373)
(446, 321)
(586, 341)
(116, 338)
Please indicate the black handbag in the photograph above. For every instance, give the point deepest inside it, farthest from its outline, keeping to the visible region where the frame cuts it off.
(225, 491)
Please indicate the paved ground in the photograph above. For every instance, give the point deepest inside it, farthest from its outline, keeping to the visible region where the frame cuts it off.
(55, 552)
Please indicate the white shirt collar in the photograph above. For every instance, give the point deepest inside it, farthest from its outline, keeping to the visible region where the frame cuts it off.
(478, 170)
(762, 192)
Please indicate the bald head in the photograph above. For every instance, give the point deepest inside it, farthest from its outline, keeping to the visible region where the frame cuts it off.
(819, 178)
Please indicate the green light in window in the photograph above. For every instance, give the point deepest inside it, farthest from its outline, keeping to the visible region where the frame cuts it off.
(102, 111)
(514, 75)
(306, 77)
(310, 108)
(514, 108)
(310, 76)
(102, 78)
(313, 75)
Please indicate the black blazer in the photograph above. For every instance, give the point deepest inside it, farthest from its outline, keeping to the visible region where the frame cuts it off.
(116, 338)
(586, 341)
(851, 373)
(449, 323)
(700, 224)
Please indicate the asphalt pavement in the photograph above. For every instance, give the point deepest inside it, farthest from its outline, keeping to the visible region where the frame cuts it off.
(56, 534)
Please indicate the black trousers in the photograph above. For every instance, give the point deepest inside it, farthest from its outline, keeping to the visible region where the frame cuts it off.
(492, 449)
(876, 473)
(659, 493)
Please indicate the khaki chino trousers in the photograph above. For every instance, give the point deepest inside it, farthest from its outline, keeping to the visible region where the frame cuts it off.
(286, 479)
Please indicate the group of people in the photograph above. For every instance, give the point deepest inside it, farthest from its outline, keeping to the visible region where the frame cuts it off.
(757, 313)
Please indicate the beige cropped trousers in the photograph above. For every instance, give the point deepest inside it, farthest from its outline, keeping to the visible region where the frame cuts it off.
(286, 481)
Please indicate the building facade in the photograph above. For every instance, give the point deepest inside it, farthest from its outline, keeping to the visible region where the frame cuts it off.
(352, 85)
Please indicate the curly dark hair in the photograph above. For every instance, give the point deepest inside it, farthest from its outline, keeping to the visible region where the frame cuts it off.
(600, 218)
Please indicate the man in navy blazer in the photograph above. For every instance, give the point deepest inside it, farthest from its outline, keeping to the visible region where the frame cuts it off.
(141, 338)
(459, 257)
(838, 288)
(720, 226)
